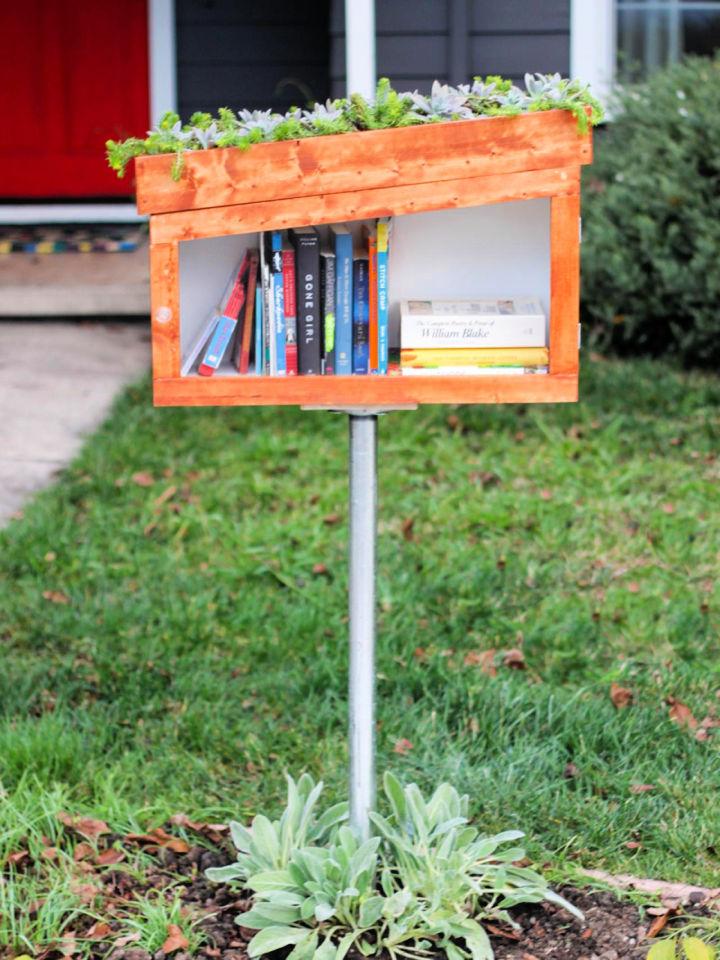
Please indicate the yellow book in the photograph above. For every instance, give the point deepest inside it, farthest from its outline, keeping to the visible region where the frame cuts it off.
(475, 357)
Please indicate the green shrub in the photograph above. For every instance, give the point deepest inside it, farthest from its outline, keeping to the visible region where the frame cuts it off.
(651, 212)
(422, 885)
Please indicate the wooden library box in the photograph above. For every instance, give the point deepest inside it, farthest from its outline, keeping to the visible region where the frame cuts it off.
(481, 208)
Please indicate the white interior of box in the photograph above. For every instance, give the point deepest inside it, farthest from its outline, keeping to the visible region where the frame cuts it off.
(500, 251)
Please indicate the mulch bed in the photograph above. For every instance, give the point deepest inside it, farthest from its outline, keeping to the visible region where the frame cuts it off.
(612, 929)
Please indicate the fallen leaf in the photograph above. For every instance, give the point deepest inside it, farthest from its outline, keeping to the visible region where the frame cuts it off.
(486, 478)
(49, 853)
(668, 508)
(331, 519)
(319, 569)
(165, 496)
(82, 851)
(681, 713)
(485, 659)
(143, 479)
(110, 856)
(633, 587)
(407, 528)
(176, 940)
(571, 771)
(68, 945)
(508, 934)
(86, 892)
(420, 654)
(98, 931)
(641, 787)
(633, 845)
(85, 826)
(129, 938)
(671, 894)
(56, 596)
(17, 857)
(402, 746)
(658, 924)
(620, 696)
(515, 659)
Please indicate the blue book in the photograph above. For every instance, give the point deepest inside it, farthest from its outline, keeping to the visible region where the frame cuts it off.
(217, 346)
(278, 300)
(383, 250)
(361, 316)
(343, 300)
(259, 351)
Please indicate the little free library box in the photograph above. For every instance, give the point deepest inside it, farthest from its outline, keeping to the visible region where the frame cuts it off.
(482, 208)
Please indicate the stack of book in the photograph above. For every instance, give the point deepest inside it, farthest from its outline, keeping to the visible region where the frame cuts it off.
(472, 337)
(306, 301)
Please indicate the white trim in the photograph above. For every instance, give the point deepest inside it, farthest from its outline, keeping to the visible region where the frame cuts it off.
(23, 213)
(360, 47)
(593, 44)
(162, 57)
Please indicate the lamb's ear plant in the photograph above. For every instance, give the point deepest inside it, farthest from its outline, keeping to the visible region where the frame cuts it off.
(423, 884)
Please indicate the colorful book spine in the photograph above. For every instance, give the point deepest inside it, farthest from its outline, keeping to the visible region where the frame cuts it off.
(259, 347)
(278, 301)
(217, 346)
(383, 322)
(307, 267)
(343, 301)
(246, 331)
(361, 313)
(290, 307)
(327, 279)
(475, 357)
(373, 302)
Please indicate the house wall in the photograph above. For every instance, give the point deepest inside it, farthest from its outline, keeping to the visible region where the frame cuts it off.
(251, 54)
(453, 40)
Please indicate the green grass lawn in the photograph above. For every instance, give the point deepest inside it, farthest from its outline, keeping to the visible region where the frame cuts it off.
(168, 646)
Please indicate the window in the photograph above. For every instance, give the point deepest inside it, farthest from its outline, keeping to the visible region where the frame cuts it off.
(654, 33)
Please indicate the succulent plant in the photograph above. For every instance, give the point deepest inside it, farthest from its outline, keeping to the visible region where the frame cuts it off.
(264, 121)
(444, 103)
(386, 109)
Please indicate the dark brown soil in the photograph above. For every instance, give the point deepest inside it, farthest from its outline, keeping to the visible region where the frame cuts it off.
(612, 928)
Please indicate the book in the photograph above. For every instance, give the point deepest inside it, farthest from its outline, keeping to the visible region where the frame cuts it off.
(360, 317)
(327, 287)
(230, 309)
(217, 346)
(343, 298)
(203, 335)
(290, 308)
(206, 330)
(267, 345)
(307, 268)
(518, 322)
(475, 357)
(246, 332)
(471, 371)
(259, 346)
(277, 295)
(384, 229)
(371, 237)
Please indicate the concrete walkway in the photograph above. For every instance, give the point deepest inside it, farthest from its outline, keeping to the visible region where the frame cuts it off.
(57, 383)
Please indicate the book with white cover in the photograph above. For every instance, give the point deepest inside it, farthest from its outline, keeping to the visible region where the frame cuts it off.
(509, 322)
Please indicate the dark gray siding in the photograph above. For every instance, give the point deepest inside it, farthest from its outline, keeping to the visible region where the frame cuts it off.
(454, 40)
(256, 55)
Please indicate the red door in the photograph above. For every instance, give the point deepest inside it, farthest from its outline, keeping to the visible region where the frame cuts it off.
(72, 74)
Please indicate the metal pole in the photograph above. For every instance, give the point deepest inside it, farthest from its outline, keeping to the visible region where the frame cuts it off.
(363, 512)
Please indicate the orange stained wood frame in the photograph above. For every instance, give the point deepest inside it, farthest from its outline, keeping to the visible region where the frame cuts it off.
(522, 158)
